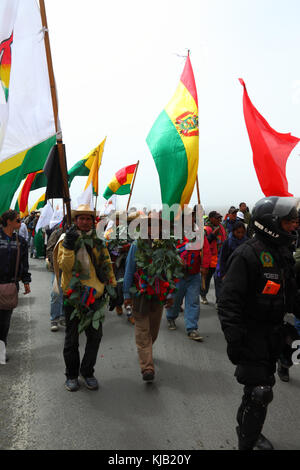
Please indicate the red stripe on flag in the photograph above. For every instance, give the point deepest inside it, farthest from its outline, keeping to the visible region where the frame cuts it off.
(121, 175)
(188, 80)
(25, 191)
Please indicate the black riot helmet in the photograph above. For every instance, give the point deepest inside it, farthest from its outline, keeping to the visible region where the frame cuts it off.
(267, 214)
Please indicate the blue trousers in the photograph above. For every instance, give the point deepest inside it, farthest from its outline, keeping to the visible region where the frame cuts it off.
(189, 289)
(56, 303)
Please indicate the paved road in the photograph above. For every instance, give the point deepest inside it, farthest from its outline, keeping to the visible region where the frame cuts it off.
(191, 405)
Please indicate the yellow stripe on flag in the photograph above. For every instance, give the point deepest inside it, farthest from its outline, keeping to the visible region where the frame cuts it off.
(12, 163)
(114, 185)
(179, 104)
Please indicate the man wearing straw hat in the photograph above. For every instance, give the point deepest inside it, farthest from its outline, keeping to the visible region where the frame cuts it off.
(82, 254)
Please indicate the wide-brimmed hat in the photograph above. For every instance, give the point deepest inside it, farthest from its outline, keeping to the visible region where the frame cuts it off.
(83, 209)
(133, 215)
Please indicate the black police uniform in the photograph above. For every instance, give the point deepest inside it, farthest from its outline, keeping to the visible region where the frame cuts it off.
(258, 290)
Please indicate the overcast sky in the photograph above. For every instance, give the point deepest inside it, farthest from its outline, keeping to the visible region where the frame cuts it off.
(117, 64)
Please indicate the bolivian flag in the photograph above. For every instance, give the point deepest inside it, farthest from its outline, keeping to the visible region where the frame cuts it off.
(88, 166)
(174, 142)
(33, 181)
(121, 182)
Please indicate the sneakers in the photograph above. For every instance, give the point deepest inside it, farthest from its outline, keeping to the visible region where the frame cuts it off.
(194, 334)
(283, 372)
(119, 310)
(54, 326)
(91, 383)
(72, 385)
(148, 375)
(172, 324)
(131, 319)
(62, 321)
(204, 300)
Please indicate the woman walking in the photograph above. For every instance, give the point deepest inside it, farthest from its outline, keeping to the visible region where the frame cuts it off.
(13, 266)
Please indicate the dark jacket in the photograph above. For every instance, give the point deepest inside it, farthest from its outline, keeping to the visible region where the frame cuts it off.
(8, 257)
(251, 318)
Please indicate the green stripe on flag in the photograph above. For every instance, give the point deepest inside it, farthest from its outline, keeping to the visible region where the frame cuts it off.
(170, 158)
(124, 189)
(79, 169)
(108, 193)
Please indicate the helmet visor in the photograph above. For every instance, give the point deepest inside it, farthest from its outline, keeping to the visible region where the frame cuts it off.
(287, 207)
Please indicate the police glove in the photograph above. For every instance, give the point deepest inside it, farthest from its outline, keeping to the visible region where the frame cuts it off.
(70, 238)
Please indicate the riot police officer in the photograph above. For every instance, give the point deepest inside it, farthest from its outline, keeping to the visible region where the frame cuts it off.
(259, 288)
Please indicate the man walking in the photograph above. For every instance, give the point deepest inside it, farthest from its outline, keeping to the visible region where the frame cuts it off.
(83, 255)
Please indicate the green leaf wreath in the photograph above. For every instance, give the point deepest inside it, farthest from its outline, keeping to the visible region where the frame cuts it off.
(82, 298)
(159, 268)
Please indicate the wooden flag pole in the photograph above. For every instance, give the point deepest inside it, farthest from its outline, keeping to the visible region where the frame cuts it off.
(131, 189)
(198, 192)
(60, 146)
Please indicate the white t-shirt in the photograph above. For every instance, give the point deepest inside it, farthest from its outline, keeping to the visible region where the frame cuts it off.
(23, 231)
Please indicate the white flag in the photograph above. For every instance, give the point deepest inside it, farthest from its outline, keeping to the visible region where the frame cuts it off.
(110, 204)
(45, 217)
(86, 197)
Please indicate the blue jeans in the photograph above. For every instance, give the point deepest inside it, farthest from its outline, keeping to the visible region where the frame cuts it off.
(56, 303)
(297, 325)
(190, 289)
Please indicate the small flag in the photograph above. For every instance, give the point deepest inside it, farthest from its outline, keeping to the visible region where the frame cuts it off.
(84, 166)
(270, 150)
(121, 182)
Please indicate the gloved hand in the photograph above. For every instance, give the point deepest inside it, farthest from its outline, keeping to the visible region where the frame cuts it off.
(70, 238)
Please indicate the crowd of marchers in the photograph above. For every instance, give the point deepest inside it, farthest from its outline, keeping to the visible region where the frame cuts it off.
(253, 259)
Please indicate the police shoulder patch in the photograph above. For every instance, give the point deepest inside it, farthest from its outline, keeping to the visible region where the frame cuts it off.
(267, 259)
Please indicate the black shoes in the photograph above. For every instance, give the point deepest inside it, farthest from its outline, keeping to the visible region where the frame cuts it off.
(148, 376)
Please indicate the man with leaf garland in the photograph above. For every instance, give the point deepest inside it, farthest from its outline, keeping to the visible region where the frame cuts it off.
(153, 268)
(87, 281)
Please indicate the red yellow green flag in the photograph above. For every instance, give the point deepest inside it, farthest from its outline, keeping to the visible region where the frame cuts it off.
(121, 182)
(174, 142)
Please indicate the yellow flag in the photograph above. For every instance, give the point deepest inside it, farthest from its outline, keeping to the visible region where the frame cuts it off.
(93, 176)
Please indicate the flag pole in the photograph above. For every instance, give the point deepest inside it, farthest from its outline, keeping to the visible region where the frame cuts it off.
(198, 192)
(131, 189)
(60, 146)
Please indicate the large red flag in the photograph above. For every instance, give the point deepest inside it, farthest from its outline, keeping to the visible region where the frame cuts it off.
(270, 150)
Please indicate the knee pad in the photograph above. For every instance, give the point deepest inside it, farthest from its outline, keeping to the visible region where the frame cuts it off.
(262, 395)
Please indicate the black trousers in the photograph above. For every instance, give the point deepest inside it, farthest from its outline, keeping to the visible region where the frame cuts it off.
(5, 316)
(71, 347)
(203, 292)
(250, 417)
